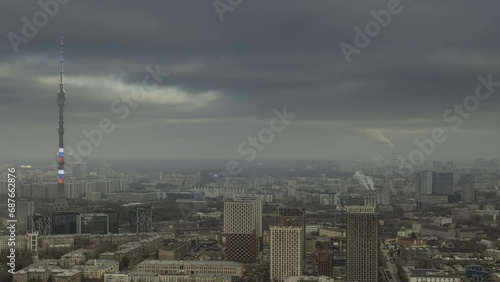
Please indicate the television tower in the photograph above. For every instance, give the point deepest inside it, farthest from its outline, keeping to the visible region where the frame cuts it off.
(61, 203)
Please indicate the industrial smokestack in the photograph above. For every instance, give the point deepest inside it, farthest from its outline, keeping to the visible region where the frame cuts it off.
(370, 198)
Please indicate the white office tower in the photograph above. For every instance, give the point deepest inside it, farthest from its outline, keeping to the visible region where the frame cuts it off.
(285, 252)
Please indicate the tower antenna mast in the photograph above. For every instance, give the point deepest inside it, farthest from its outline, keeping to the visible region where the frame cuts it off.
(61, 202)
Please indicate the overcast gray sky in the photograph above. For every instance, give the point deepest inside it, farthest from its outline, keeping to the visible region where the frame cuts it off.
(227, 76)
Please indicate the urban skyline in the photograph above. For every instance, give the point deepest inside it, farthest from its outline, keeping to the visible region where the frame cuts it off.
(249, 141)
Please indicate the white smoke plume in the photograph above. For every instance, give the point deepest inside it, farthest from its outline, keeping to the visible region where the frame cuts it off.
(377, 134)
(369, 180)
(365, 181)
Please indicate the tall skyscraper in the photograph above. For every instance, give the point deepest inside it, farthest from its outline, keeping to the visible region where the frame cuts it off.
(40, 224)
(78, 169)
(61, 203)
(468, 193)
(242, 229)
(286, 252)
(432, 183)
(442, 183)
(105, 171)
(295, 218)
(287, 244)
(362, 244)
(25, 210)
(423, 186)
(141, 220)
(66, 223)
(114, 219)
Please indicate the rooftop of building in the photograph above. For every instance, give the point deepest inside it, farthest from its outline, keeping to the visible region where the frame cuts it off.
(175, 246)
(435, 227)
(195, 263)
(204, 275)
(68, 273)
(142, 273)
(77, 252)
(128, 247)
(284, 227)
(96, 264)
(430, 272)
(152, 238)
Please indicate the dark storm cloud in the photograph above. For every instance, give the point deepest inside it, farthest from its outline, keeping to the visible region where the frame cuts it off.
(231, 74)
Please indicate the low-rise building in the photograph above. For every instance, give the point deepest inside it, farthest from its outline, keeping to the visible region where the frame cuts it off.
(470, 232)
(75, 257)
(117, 277)
(69, 275)
(140, 276)
(174, 251)
(438, 231)
(96, 268)
(309, 279)
(42, 270)
(152, 244)
(231, 268)
(194, 278)
(131, 250)
(430, 275)
(333, 232)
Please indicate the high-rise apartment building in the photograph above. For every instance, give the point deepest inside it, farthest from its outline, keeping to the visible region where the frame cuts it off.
(468, 193)
(362, 244)
(285, 250)
(295, 218)
(242, 229)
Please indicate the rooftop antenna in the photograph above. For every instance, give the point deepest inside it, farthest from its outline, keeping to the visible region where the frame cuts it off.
(62, 60)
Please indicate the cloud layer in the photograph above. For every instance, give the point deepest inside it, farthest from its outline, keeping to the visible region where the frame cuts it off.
(226, 77)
